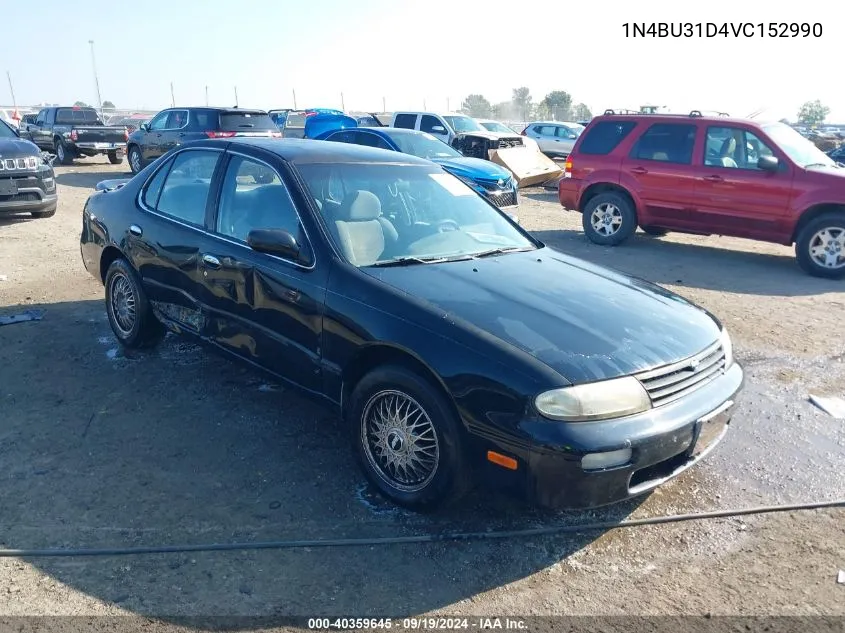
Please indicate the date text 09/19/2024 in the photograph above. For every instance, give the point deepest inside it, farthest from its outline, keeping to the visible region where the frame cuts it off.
(417, 623)
(723, 29)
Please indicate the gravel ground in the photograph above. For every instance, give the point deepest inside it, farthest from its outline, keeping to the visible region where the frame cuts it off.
(179, 445)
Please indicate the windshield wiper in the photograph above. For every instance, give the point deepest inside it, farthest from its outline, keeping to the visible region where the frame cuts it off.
(501, 250)
(407, 261)
(819, 165)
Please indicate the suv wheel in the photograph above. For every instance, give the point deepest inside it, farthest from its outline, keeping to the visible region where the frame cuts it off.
(407, 439)
(609, 219)
(820, 246)
(136, 163)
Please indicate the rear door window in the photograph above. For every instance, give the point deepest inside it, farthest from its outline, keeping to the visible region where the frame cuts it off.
(184, 194)
(407, 121)
(667, 142)
(370, 140)
(605, 136)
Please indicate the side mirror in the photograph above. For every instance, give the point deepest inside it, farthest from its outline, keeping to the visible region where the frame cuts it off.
(438, 129)
(768, 163)
(145, 127)
(274, 242)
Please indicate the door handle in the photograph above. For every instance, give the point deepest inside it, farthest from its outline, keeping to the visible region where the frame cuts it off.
(136, 230)
(713, 178)
(211, 261)
(639, 170)
(291, 295)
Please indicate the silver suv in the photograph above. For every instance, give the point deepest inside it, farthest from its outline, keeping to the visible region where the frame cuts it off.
(555, 138)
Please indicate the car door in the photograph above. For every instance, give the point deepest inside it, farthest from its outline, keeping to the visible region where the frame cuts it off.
(39, 136)
(262, 307)
(174, 132)
(545, 137)
(659, 171)
(564, 140)
(434, 126)
(151, 142)
(165, 242)
(732, 195)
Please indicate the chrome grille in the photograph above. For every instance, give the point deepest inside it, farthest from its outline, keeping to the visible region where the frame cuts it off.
(11, 164)
(667, 384)
(502, 199)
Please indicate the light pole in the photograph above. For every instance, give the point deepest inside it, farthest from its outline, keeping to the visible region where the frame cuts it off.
(96, 79)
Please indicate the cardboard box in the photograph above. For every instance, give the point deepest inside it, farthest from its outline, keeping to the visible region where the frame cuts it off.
(529, 167)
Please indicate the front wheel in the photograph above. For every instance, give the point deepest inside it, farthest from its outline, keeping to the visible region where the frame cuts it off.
(820, 246)
(136, 162)
(407, 439)
(128, 309)
(114, 159)
(609, 219)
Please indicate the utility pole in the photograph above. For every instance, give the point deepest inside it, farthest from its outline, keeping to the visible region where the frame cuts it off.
(96, 79)
(206, 96)
(447, 105)
(424, 108)
(342, 103)
(172, 98)
(294, 98)
(12, 90)
(236, 96)
(383, 105)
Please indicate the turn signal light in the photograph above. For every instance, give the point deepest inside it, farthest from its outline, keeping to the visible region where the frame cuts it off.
(502, 460)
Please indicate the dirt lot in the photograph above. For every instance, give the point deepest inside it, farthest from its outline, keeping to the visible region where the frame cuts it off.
(182, 446)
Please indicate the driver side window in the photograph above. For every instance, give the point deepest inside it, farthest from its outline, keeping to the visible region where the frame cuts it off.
(160, 121)
(734, 148)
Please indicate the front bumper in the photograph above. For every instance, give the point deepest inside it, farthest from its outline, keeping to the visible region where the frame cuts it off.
(29, 193)
(662, 441)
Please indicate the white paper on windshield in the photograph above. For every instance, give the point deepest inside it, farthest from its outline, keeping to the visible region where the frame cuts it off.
(452, 185)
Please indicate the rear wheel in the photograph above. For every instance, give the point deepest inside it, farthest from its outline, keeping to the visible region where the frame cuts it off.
(820, 246)
(128, 309)
(63, 153)
(136, 162)
(407, 439)
(609, 219)
(114, 159)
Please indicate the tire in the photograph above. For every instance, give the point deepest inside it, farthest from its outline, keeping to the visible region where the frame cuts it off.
(134, 330)
(114, 159)
(443, 482)
(136, 161)
(820, 238)
(654, 231)
(615, 208)
(49, 213)
(63, 155)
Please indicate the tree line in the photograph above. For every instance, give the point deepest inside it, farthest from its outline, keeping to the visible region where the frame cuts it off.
(556, 105)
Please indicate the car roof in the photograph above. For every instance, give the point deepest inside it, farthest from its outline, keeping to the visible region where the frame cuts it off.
(218, 109)
(303, 151)
(554, 123)
(677, 118)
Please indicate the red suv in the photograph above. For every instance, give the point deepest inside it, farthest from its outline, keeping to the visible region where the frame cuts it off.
(708, 175)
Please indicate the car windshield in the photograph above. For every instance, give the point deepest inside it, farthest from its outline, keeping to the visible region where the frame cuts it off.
(424, 145)
(388, 214)
(495, 126)
(463, 124)
(798, 148)
(6, 131)
(575, 129)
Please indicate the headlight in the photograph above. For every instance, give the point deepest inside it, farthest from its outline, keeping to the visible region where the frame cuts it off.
(594, 401)
(727, 346)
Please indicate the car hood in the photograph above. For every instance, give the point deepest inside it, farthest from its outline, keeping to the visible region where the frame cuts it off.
(493, 136)
(473, 168)
(18, 148)
(586, 322)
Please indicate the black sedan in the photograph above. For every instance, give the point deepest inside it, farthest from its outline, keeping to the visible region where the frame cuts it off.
(455, 346)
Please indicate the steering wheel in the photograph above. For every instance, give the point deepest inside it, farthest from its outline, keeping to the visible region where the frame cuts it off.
(451, 224)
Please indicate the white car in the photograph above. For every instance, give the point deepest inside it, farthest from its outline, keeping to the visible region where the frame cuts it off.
(498, 126)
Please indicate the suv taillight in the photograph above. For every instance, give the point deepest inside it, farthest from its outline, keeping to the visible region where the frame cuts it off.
(215, 134)
(567, 167)
(74, 136)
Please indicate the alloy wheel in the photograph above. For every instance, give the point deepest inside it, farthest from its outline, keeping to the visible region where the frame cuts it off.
(122, 304)
(400, 441)
(827, 247)
(606, 219)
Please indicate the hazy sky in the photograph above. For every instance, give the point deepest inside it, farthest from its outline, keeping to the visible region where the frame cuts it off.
(415, 52)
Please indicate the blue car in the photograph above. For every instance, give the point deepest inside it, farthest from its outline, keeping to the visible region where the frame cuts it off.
(492, 181)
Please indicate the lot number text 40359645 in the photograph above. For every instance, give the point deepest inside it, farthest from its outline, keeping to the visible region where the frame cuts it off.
(722, 29)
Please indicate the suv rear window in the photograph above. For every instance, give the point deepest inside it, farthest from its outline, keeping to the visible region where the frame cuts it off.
(407, 121)
(246, 121)
(605, 136)
(87, 116)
